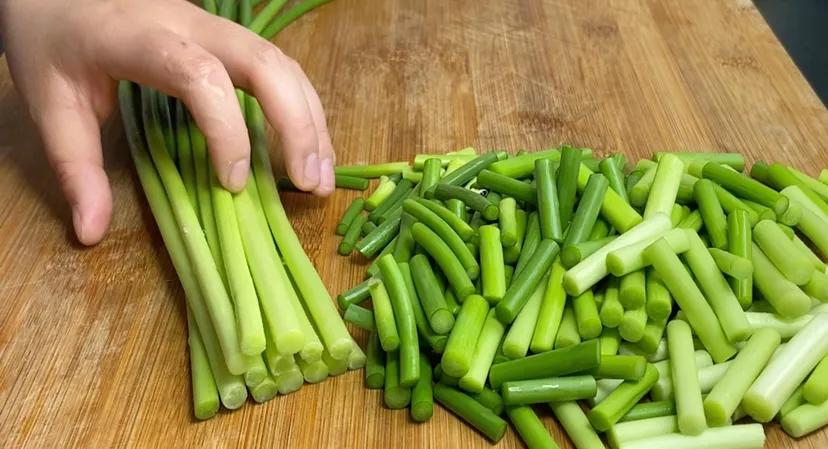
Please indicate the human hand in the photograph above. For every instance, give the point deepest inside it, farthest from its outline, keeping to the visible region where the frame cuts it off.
(66, 58)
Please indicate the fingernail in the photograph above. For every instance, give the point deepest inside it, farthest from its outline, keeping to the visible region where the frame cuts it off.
(326, 185)
(237, 174)
(311, 171)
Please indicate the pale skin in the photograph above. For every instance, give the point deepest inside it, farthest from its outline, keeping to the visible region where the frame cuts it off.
(66, 57)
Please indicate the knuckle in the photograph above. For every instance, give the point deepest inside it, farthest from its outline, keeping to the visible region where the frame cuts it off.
(299, 136)
(308, 140)
(267, 54)
(323, 133)
(293, 64)
(202, 68)
(65, 170)
(190, 66)
(304, 126)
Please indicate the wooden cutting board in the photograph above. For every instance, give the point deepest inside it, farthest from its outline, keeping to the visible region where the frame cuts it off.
(92, 341)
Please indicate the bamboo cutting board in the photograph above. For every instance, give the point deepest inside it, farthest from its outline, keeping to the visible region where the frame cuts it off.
(92, 341)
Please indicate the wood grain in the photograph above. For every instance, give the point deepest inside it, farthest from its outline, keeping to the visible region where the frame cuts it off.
(92, 341)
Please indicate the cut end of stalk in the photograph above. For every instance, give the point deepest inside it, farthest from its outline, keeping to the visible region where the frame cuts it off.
(791, 215)
(599, 421)
(615, 265)
(233, 396)
(206, 409)
(491, 212)
(375, 381)
(442, 321)
(504, 314)
(591, 328)
(692, 425)
(397, 398)
(422, 411)
(438, 343)
(741, 268)
(758, 407)
(794, 426)
(290, 381)
(570, 256)
(390, 343)
(454, 367)
(507, 240)
(781, 205)
(253, 346)
(341, 348)
(659, 311)
(470, 385)
(345, 249)
(255, 375)
(312, 352)
(715, 413)
(814, 394)
(238, 364)
(265, 391)
(571, 286)
(315, 374)
(290, 342)
(494, 299)
(464, 293)
(796, 304)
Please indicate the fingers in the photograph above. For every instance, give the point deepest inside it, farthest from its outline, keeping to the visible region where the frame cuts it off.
(177, 66)
(72, 138)
(326, 151)
(199, 67)
(289, 103)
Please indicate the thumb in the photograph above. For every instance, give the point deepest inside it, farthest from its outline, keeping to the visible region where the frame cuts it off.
(72, 138)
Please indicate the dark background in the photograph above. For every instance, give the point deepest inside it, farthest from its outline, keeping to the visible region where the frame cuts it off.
(802, 27)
